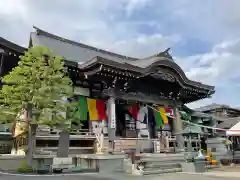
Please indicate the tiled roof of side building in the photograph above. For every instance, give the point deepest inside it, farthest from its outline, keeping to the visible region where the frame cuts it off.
(228, 123)
(11, 45)
(211, 107)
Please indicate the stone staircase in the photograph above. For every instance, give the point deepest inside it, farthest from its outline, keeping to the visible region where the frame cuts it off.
(161, 163)
(161, 167)
(122, 145)
(128, 144)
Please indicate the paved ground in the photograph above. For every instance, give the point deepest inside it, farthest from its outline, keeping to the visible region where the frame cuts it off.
(172, 176)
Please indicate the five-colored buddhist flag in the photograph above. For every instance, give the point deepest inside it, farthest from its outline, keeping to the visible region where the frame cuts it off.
(100, 105)
(83, 108)
(163, 115)
(93, 114)
(158, 118)
(169, 111)
(133, 110)
(96, 109)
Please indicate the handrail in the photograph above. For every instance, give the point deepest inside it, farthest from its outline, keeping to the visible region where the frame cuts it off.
(141, 138)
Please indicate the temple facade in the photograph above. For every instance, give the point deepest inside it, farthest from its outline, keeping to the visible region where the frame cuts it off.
(137, 100)
(123, 83)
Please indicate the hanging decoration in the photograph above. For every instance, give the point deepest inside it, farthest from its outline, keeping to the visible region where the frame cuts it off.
(82, 108)
(163, 115)
(188, 122)
(96, 109)
(158, 118)
(133, 110)
(100, 105)
(93, 114)
(169, 111)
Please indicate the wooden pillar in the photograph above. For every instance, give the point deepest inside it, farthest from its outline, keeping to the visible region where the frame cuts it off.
(111, 122)
(177, 129)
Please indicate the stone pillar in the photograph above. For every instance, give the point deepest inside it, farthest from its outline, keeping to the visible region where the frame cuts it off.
(177, 130)
(166, 140)
(63, 144)
(189, 144)
(100, 138)
(111, 123)
(213, 124)
(138, 143)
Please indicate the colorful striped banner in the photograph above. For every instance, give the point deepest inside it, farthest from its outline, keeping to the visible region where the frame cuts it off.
(96, 109)
(160, 117)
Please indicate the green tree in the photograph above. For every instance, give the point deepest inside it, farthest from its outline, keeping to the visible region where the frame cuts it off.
(37, 86)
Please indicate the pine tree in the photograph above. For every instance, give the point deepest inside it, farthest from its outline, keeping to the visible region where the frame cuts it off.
(39, 86)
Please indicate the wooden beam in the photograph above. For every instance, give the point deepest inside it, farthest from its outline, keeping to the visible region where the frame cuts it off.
(141, 98)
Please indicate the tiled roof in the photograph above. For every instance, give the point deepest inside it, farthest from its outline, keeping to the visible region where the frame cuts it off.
(87, 56)
(228, 123)
(212, 107)
(11, 45)
(72, 50)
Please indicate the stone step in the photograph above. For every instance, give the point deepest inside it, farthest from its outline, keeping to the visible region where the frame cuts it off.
(122, 145)
(165, 160)
(161, 165)
(161, 171)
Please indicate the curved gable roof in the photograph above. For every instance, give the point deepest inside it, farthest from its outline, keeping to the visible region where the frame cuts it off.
(87, 56)
(148, 69)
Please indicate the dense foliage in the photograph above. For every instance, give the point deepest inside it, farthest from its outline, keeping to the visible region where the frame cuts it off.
(40, 86)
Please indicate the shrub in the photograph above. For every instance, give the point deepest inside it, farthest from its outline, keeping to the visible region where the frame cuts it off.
(24, 168)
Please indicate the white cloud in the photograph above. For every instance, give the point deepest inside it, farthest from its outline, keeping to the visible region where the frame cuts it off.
(90, 22)
(108, 24)
(12, 8)
(229, 13)
(133, 5)
(142, 45)
(222, 70)
(219, 66)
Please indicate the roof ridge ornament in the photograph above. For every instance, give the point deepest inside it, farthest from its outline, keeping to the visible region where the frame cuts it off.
(165, 54)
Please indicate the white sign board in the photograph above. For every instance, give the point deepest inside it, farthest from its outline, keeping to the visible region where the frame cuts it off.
(113, 116)
(81, 91)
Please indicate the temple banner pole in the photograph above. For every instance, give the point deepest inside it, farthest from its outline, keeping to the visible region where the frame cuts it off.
(111, 122)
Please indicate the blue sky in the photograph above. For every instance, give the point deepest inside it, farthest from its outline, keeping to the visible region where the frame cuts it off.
(203, 34)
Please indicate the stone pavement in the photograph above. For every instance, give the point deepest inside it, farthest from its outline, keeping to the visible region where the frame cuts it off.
(223, 174)
(225, 171)
(171, 176)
